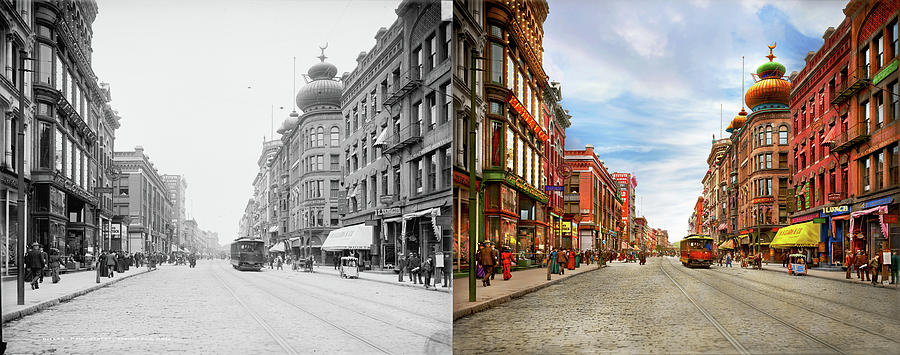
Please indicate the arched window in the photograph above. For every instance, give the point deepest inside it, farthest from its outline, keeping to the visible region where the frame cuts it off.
(321, 136)
(312, 138)
(783, 135)
(768, 135)
(335, 136)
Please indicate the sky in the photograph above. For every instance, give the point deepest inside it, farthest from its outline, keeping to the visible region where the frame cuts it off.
(195, 82)
(644, 81)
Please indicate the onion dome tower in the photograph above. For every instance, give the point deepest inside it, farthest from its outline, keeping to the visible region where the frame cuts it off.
(289, 123)
(737, 122)
(323, 90)
(771, 91)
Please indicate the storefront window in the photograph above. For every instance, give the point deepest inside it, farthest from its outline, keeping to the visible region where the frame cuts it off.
(496, 63)
(46, 145)
(496, 143)
(510, 69)
(510, 149)
(527, 164)
(492, 228)
(520, 162)
(509, 199)
(492, 196)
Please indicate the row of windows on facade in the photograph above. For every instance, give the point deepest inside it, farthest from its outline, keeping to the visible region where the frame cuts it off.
(809, 155)
(439, 106)
(315, 217)
(870, 172)
(516, 152)
(424, 179)
(517, 77)
(872, 55)
(871, 115)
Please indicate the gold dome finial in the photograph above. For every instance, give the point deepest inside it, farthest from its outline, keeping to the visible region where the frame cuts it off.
(772, 47)
(322, 56)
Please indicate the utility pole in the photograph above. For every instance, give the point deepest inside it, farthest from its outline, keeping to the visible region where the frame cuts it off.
(20, 196)
(473, 192)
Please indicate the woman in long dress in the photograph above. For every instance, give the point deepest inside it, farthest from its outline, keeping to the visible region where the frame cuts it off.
(506, 260)
(571, 263)
(554, 266)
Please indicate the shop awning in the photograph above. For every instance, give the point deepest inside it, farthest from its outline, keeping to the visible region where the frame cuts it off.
(723, 226)
(797, 235)
(353, 237)
(295, 242)
(829, 137)
(279, 247)
(381, 138)
(728, 244)
(273, 229)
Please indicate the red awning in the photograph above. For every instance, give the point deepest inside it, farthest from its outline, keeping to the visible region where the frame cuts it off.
(829, 137)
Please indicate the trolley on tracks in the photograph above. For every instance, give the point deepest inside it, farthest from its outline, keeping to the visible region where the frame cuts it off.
(248, 254)
(696, 250)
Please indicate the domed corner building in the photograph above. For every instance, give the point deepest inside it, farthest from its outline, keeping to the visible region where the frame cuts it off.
(312, 166)
(760, 154)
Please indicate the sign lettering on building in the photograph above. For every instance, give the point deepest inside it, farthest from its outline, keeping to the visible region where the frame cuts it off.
(835, 210)
(526, 188)
(387, 211)
(878, 202)
(529, 120)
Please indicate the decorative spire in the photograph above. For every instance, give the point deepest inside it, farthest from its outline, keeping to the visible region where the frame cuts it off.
(772, 56)
(322, 56)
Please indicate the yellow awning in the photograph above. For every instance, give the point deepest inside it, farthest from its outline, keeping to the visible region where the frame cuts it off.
(728, 244)
(798, 235)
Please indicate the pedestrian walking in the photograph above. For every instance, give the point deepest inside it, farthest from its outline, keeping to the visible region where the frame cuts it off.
(571, 259)
(728, 260)
(562, 259)
(446, 271)
(849, 262)
(507, 259)
(496, 259)
(278, 263)
(111, 264)
(120, 262)
(34, 262)
(415, 265)
(861, 265)
(895, 267)
(54, 264)
(554, 265)
(46, 258)
(401, 265)
(487, 260)
(875, 266)
(427, 268)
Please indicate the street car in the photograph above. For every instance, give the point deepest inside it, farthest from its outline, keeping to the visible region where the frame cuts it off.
(248, 254)
(696, 250)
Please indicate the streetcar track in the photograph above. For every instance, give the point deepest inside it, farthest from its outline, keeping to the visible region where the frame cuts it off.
(780, 320)
(271, 331)
(721, 277)
(731, 339)
(814, 296)
(322, 319)
(289, 284)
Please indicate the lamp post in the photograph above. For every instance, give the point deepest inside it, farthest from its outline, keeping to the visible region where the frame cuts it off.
(473, 192)
(20, 183)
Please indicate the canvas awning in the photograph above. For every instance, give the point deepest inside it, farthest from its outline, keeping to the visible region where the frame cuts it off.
(353, 237)
(278, 247)
(797, 235)
(829, 137)
(273, 229)
(728, 244)
(381, 138)
(295, 242)
(723, 226)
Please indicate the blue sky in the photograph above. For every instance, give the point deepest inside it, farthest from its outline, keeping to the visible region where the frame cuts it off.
(644, 81)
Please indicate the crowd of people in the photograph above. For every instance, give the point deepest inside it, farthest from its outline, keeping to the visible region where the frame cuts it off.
(868, 268)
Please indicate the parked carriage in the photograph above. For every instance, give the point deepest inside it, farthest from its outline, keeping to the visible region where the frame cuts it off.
(696, 250)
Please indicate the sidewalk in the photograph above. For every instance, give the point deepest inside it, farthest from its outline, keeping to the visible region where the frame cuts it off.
(836, 275)
(71, 285)
(522, 282)
(387, 278)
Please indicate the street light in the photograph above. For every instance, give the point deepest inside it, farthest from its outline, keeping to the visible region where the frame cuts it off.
(473, 193)
(20, 182)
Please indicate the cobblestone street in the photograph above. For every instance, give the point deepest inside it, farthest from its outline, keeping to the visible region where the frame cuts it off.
(215, 309)
(629, 308)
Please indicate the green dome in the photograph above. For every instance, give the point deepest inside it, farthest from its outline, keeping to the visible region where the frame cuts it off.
(771, 70)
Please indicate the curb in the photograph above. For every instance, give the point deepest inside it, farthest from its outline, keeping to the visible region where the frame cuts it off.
(10, 316)
(457, 314)
(850, 281)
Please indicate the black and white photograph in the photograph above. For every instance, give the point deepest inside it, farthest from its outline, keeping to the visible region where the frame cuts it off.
(229, 177)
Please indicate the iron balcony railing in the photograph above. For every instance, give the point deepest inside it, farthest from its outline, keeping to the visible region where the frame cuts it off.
(853, 83)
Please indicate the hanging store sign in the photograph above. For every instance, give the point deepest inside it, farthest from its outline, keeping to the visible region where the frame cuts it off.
(763, 200)
(888, 69)
(529, 120)
(115, 230)
(566, 227)
(526, 188)
(878, 202)
(553, 188)
(835, 210)
(387, 211)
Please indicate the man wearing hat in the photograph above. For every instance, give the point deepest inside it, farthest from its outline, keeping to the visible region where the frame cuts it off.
(34, 262)
(487, 260)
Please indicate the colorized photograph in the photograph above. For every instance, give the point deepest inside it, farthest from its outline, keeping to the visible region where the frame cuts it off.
(226, 177)
(676, 177)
